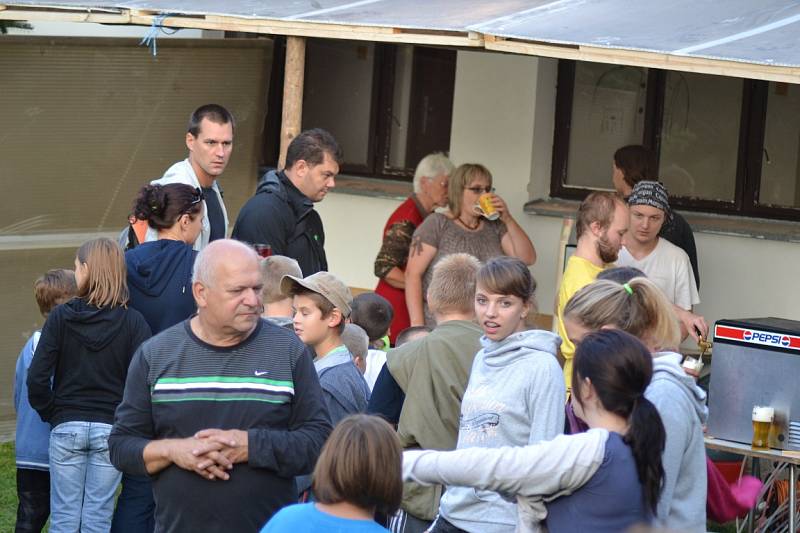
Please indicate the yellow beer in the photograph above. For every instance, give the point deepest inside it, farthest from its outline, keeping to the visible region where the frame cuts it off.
(487, 207)
(762, 421)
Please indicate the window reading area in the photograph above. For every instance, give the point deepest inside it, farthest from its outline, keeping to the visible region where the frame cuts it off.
(727, 145)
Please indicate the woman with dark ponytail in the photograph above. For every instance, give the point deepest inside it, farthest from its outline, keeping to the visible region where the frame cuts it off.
(160, 284)
(605, 480)
(641, 309)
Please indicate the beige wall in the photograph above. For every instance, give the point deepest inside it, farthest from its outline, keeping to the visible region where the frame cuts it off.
(508, 126)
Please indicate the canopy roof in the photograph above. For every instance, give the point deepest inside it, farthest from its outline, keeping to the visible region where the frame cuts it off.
(730, 37)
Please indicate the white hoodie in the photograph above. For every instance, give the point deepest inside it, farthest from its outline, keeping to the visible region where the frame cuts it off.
(681, 405)
(515, 396)
(532, 474)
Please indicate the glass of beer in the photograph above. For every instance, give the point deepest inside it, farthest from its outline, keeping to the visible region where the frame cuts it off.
(762, 421)
(486, 208)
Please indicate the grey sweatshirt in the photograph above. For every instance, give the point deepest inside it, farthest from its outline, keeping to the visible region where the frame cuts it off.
(681, 404)
(515, 396)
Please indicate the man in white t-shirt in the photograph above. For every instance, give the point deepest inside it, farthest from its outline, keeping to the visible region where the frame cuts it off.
(664, 263)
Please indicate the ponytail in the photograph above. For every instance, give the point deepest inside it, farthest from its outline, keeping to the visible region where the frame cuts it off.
(637, 307)
(646, 437)
(619, 368)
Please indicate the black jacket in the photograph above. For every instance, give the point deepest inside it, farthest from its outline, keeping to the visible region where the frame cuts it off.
(86, 351)
(679, 232)
(281, 216)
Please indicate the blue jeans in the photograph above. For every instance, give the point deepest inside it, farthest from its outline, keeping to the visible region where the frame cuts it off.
(82, 479)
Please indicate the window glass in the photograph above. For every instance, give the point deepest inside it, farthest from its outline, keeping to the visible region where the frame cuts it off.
(700, 135)
(337, 95)
(401, 103)
(608, 110)
(780, 162)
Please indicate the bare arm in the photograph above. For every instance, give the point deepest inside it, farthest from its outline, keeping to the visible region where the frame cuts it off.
(515, 242)
(419, 259)
(396, 278)
(691, 323)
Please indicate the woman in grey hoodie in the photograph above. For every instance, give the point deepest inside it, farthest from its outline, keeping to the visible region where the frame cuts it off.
(515, 395)
(641, 309)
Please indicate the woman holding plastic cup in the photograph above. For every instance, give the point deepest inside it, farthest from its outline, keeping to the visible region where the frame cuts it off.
(476, 222)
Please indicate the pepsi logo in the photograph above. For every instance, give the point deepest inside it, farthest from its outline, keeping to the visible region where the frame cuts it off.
(785, 341)
(747, 335)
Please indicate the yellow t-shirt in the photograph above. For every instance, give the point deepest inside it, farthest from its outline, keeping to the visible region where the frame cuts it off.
(579, 273)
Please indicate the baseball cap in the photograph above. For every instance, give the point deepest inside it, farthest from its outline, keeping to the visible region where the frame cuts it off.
(325, 284)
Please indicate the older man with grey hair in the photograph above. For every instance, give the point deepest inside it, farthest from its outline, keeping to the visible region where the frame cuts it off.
(430, 192)
(221, 406)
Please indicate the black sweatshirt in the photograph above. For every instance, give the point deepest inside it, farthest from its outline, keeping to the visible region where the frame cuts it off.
(265, 385)
(86, 351)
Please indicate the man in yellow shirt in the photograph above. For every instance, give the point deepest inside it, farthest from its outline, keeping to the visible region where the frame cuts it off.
(602, 221)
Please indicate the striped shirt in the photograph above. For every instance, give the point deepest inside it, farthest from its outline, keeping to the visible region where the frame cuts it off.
(178, 385)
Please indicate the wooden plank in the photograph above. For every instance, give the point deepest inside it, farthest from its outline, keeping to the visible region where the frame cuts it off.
(292, 113)
(63, 16)
(648, 59)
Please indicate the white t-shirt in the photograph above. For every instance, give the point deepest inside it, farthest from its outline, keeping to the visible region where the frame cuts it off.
(375, 361)
(669, 268)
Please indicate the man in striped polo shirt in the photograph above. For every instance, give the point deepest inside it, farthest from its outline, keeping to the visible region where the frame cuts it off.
(223, 409)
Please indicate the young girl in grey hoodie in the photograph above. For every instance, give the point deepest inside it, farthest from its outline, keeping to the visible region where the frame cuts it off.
(515, 395)
(642, 310)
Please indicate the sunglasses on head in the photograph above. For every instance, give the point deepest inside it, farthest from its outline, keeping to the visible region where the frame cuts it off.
(198, 196)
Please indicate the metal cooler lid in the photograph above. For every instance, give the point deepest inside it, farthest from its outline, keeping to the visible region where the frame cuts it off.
(769, 332)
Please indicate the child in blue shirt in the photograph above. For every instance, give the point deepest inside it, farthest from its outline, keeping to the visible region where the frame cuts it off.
(357, 475)
(33, 436)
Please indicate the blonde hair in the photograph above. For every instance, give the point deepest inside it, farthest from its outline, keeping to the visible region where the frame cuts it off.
(640, 309)
(273, 269)
(452, 287)
(106, 283)
(459, 180)
(599, 207)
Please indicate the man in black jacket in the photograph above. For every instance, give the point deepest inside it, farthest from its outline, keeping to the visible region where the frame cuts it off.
(282, 213)
(223, 409)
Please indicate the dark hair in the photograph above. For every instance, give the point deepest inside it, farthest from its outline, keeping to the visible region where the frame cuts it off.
(619, 368)
(54, 288)
(507, 275)
(162, 205)
(361, 464)
(621, 274)
(637, 163)
(373, 313)
(323, 304)
(598, 207)
(212, 112)
(311, 147)
(409, 334)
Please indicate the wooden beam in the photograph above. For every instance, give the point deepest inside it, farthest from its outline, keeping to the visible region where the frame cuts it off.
(292, 114)
(63, 16)
(638, 58)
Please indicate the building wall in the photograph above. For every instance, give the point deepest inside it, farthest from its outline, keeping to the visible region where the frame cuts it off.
(508, 126)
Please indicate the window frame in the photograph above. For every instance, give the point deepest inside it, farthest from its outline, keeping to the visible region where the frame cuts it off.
(752, 128)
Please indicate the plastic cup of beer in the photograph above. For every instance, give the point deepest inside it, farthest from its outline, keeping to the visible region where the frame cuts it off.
(264, 250)
(486, 207)
(762, 421)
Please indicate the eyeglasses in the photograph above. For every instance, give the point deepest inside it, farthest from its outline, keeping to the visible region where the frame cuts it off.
(481, 190)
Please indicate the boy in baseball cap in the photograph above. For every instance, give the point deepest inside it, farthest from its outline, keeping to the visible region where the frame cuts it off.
(322, 303)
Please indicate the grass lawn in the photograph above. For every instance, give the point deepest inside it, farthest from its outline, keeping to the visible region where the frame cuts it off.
(8, 487)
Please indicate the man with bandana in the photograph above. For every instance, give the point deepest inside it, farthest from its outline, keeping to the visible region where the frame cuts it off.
(601, 223)
(664, 263)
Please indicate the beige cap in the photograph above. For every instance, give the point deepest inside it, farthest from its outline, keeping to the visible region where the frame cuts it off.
(325, 284)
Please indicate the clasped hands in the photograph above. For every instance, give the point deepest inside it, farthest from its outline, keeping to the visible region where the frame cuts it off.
(210, 453)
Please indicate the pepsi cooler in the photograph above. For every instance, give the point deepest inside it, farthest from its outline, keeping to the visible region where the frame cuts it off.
(756, 361)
